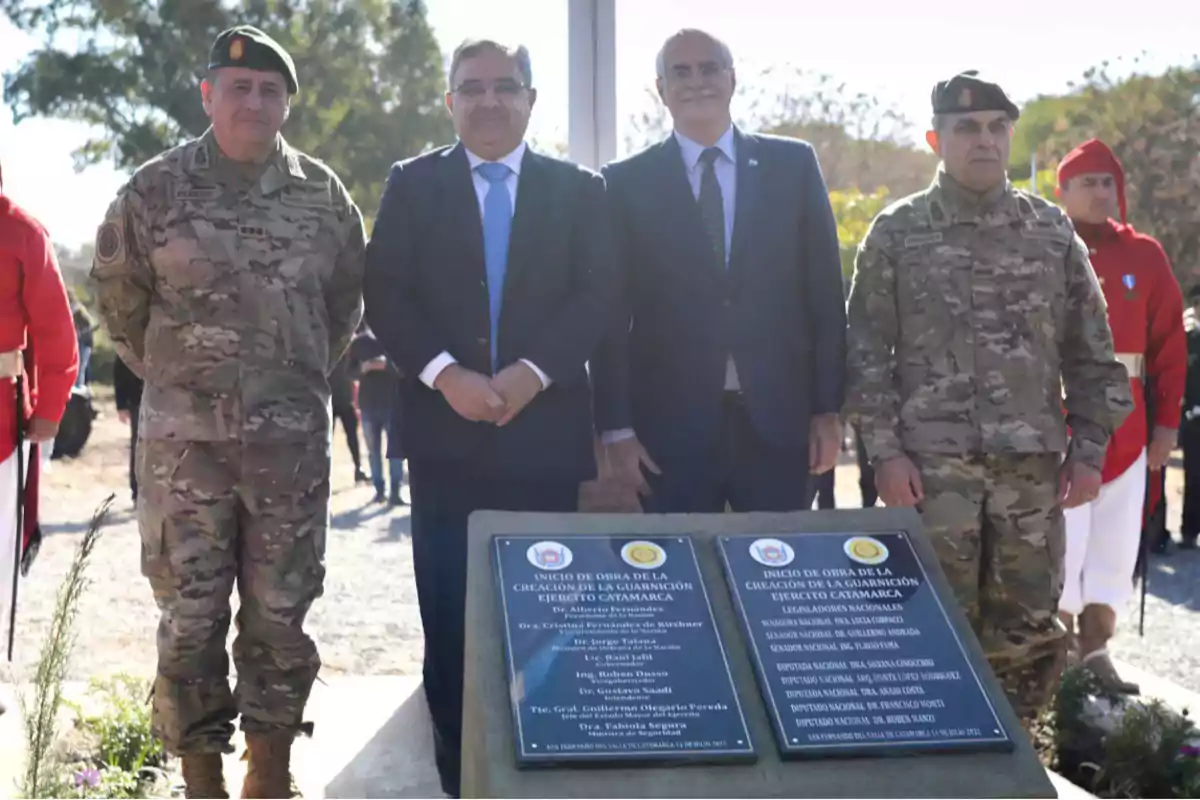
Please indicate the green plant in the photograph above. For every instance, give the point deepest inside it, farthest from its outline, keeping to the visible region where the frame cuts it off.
(43, 777)
(1151, 751)
(1148, 754)
(108, 782)
(122, 725)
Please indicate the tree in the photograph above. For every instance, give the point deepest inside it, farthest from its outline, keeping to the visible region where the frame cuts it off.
(860, 142)
(1152, 123)
(1047, 179)
(371, 76)
(854, 211)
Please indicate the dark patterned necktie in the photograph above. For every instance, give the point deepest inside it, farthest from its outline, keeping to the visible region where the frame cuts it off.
(712, 204)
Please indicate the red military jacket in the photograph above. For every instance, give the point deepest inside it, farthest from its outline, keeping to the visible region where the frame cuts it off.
(35, 318)
(1145, 312)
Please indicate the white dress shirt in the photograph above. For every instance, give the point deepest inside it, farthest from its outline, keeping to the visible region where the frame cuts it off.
(513, 161)
(725, 168)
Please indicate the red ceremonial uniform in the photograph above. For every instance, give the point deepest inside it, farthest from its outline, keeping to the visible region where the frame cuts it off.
(1145, 312)
(35, 324)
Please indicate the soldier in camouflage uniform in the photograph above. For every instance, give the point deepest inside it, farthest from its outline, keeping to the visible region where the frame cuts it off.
(974, 318)
(229, 275)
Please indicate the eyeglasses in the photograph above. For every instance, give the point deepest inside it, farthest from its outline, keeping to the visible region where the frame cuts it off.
(707, 70)
(504, 89)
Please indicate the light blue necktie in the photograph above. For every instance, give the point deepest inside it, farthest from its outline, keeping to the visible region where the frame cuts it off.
(497, 224)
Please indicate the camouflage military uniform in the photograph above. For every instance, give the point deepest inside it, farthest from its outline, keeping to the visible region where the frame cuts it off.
(968, 317)
(232, 295)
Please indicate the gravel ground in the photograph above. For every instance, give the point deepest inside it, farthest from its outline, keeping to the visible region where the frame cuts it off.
(368, 623)
(1169, 648)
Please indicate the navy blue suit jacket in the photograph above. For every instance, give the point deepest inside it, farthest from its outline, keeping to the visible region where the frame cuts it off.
(779, 308)
(426, 292)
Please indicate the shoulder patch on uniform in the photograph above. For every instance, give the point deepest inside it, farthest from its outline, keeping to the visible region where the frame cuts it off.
(937, 213)
(200, 158)
(918, 239)
(110, 242)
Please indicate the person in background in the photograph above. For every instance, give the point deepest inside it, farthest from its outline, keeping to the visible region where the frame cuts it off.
(1189, 526)
(85, 326)
(341, 387)
(127, 391)
(377, 403)
(1145, 313)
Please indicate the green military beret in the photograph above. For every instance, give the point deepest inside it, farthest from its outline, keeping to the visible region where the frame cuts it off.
(247, 46)
(966, 92)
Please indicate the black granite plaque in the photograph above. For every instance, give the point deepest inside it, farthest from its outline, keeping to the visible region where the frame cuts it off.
(613, 654)
(853, 649)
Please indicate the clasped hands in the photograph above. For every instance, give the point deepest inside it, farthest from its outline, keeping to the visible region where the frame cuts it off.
(498, 399)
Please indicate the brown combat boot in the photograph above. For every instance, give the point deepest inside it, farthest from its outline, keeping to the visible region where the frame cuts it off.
(268, 773)
(204, 775)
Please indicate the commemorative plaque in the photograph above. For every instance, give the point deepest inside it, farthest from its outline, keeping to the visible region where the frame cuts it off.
(613, 654)
(853, 650)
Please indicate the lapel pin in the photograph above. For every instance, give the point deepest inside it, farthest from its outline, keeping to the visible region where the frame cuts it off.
(753, 162)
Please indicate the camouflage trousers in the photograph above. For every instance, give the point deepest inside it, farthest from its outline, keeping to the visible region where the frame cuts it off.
(997, 527)
(212, 514)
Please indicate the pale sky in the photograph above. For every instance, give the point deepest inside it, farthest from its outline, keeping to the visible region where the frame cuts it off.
(894, 50)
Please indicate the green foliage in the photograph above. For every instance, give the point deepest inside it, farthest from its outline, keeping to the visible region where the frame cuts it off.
(1047, 180)
(1074, 745)
(122, 726)
(860, 141)
(107, 782)
(42, 776)
(854, 212)
(128, 760)
(1150, 753)
(1146, 755)
(370, 72)
(1042, 119)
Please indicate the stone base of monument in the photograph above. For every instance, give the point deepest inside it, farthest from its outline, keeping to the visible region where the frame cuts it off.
(812, 654)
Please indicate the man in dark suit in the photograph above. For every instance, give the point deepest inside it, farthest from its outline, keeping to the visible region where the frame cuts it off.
(489, 282)
(723, 377)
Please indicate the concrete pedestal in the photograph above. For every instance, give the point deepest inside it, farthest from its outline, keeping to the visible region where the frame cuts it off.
(489, 766)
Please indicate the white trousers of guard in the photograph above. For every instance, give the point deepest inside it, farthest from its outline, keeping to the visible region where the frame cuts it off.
(9, 536)
(1103, 537)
